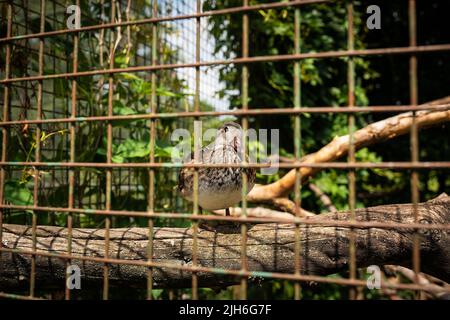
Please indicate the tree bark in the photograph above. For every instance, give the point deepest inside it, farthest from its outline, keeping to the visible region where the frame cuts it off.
(270, 248)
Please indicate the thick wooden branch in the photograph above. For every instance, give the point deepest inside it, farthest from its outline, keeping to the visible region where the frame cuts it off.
(270, 248)
(258, 212)
(374, 133)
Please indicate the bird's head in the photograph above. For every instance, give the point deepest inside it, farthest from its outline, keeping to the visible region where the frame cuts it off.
(230, 133)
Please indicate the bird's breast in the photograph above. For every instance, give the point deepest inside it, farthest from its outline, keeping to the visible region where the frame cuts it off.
(219, 200)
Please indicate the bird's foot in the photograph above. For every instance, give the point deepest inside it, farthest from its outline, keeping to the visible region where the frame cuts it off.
(223, 226)
(208, 225)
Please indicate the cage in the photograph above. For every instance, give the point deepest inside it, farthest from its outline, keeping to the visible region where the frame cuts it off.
(92, 92)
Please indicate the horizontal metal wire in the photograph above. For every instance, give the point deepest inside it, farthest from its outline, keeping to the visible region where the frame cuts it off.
(17, 296)
(242, 219)
(237, 113)
(232, 10)
(239, 61)
(331, 165)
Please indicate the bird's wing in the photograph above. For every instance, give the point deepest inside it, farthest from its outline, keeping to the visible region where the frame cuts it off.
(186, 181)
(186, 175)
(209, 154)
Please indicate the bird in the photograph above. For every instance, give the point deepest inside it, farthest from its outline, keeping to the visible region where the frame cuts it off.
(218, 188)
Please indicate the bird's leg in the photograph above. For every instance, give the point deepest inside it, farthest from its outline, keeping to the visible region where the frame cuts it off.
(203, 224)
(213, 225)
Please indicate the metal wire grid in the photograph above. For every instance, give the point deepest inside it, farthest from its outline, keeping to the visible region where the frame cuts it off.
(184, 41)
(74, 118)
(24, 103)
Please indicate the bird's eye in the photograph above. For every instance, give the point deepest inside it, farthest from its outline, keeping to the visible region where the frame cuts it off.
(225, 129)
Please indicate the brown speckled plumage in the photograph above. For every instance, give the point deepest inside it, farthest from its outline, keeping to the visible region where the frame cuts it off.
(219, 188)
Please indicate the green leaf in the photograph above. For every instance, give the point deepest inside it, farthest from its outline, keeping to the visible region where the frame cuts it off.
(120, 109)
(18, 194)
(118, 159)
(157, 293)
(121, 59)
(133, 149)
(165, 152)
(130, 76)
(161, 91)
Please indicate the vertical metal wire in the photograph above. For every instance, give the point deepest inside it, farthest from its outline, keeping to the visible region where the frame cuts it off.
(51, 215)
(73, 114)
(37, 148)
(351, 151)
(101, 82)
(109, 153)
(151, 188)
(244, 262)
(297, 149)
(197, 159)
(196, 150)
(5, 117)
(414, 140)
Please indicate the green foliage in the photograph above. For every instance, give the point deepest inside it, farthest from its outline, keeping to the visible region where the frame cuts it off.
(17, 193)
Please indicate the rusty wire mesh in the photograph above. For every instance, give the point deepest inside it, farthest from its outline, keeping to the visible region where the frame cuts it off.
(47, 111)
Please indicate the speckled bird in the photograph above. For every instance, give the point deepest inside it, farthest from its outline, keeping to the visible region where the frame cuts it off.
(218, 188)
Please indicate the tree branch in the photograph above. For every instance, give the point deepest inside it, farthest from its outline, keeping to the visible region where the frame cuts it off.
(261, 212)
(374, 133)
(436, 291)
(270, 248)
(325, 199)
